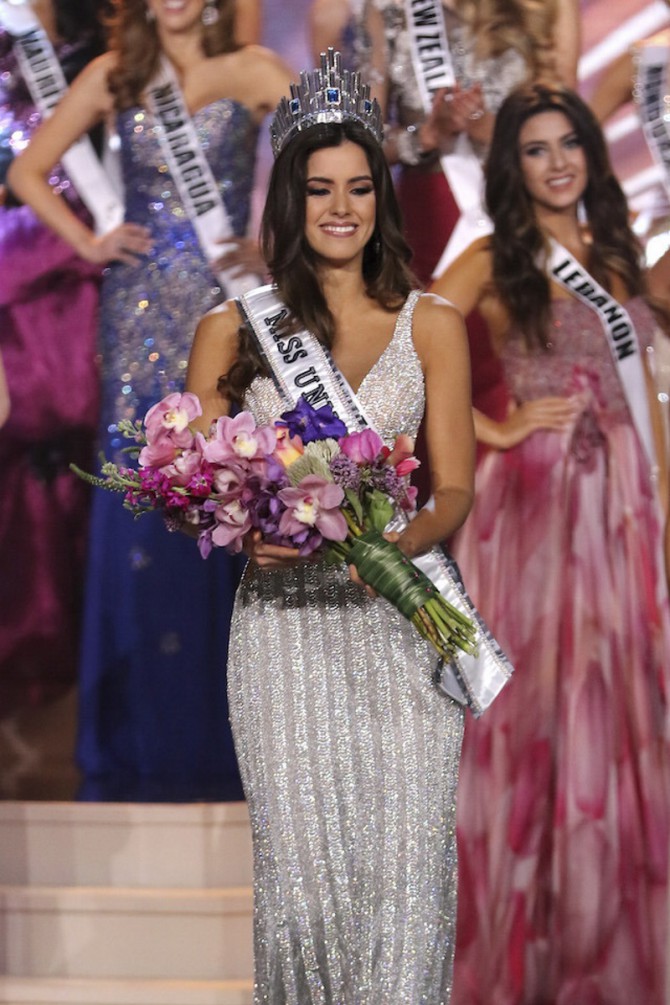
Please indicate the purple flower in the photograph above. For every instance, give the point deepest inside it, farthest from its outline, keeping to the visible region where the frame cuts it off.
(345, 472)
(311, 423)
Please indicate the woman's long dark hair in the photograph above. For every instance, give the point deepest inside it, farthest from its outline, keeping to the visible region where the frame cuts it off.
(518, 243)
(292, 262)
(133, 36)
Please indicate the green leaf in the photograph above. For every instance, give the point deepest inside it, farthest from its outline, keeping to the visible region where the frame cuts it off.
(378, 510)
(355, 503)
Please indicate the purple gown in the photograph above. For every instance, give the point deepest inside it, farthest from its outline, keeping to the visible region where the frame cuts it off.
(48, 318)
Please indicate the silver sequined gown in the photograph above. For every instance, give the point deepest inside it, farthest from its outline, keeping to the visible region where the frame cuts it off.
(349, 758)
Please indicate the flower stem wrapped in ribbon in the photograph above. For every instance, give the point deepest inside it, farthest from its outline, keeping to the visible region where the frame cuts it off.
(382, 565)
(374, 480)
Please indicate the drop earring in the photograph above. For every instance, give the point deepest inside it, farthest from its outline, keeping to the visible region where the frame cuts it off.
(210, 13)
(150, 15)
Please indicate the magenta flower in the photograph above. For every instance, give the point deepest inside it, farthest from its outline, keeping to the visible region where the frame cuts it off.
(363, 447)
(239, 439)
(314, 503)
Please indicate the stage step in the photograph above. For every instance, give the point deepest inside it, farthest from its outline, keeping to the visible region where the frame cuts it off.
(108, 904)
(96, 932)
(125, 844)
(36, 991)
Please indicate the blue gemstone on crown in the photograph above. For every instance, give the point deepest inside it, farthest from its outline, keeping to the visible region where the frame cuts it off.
(294, 106)
(333, 95)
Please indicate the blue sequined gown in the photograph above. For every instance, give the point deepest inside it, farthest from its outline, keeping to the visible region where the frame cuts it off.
(153, 708)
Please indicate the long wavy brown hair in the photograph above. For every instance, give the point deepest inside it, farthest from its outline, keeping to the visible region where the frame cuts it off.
(294, 265)
(134, 37)
(518, 244)
(525, 25)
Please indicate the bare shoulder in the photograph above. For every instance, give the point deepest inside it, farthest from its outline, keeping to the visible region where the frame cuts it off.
(221, 324)
(436, 323)
(94, 78)
(433, 311)
(476, 258)
(256, 76)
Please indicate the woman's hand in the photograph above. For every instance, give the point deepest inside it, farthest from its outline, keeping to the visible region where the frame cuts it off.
(556, 414)
(392, 536)
(124, 243)
(454, 110)
(270, 556)
(240, 255)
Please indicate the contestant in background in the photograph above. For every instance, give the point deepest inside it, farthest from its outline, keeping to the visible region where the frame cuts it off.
(153, 710)
(438, 136)
(340, 25)
(48, 319)
(565, 781)
(641, 74)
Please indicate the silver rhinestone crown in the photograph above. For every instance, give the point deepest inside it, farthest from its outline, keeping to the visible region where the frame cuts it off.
(326, 94)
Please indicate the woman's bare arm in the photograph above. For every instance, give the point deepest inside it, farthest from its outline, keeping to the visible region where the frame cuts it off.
(441, 343)
(86, 103)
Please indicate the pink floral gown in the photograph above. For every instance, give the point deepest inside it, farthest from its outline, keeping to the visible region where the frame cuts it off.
(564, 786)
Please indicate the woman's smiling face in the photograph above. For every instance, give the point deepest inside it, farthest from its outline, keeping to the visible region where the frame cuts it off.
(341, 205)
(553, 163)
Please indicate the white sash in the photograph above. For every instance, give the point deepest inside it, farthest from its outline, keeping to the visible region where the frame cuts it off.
(650, 91)
(619, 332)
(192, 174)
(300, 365)
(434, 69)
(45, 81)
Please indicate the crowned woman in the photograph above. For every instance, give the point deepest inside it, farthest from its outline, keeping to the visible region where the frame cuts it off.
(348, 745)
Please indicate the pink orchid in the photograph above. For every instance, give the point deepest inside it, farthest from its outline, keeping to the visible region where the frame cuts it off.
(314, 503)
(230, 479)
(232, 523)
(172, 417)
(184, 467)
(159, 454)
(289, 448)
(240, 439)
(363, 447)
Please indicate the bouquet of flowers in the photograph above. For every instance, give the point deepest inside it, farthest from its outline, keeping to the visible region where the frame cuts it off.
(303, 482)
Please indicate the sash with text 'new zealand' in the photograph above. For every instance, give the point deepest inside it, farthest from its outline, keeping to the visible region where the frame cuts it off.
(650, 92)
(434, 69)
(46, 83)
(192, 174)
(300, 365)
(619, 332)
